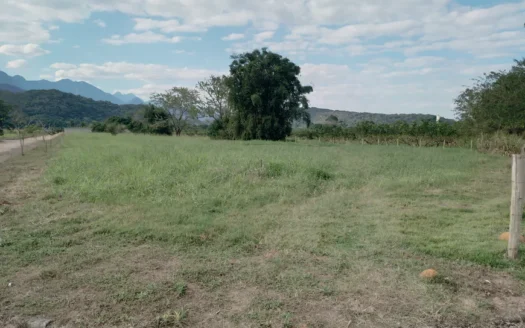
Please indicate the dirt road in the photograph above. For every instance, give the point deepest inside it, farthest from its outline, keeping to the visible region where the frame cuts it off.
(10, 148)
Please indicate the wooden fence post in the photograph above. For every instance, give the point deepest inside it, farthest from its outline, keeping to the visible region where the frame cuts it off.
(470, 144)
(443, 144)
(516, 204)
(398, 142)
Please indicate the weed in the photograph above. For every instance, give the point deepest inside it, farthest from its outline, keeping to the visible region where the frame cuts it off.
(175, 318)
(180, 288)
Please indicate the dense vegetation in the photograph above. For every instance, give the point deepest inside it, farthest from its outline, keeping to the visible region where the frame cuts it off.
(265, 96)
(4, 116)
(367, 128)
(56, 108)
(496, 102)
(348, 118)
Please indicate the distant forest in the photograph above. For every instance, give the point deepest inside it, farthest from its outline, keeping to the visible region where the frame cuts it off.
(60, 109)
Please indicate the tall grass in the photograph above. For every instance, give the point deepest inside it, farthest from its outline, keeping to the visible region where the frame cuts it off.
(259, 233)
(238, 192)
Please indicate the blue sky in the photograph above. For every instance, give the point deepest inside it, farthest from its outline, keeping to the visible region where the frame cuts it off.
(403, 56)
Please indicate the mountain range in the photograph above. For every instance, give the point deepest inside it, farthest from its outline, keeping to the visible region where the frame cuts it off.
(18, 84)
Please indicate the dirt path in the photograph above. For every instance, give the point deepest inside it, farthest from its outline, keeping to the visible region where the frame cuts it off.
(10, 148)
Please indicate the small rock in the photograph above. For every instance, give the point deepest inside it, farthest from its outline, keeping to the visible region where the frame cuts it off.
(10, 284)
(39, 323)
(428, 273)
(488, 281)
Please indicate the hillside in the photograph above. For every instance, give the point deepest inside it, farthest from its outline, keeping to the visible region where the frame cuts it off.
(319, 116)
(128, 98)
(78, 88)
(10, 88)
(61, 109)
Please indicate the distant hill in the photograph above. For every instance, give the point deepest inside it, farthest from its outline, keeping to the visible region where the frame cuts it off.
(77, 88)
(11, 88)
(319, 116)
(62, 109)
(128, 98)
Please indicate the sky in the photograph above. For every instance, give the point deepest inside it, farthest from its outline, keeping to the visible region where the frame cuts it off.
(402, 56)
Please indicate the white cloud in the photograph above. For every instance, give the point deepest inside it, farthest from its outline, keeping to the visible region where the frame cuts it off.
(351, 33)
(146, 37)
(100, 23)
(420, 61)
(260, 37)
(165, 26)
(53, 27)
(233, 36)
(62, 66)
(15, 32)
(179, 52)
(130, 71)
(17, 63)
(76, 46)
(27, 50)
(57, 41)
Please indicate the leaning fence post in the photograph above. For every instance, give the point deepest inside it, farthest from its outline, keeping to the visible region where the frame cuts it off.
(516, 204)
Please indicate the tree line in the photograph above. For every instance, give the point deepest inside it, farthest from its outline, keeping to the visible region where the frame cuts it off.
(262, 98)
(339, 130)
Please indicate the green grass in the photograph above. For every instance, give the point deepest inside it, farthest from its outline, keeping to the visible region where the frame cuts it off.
(262, 230)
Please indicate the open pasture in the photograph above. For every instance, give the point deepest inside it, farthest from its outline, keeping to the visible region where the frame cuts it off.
(145, 231)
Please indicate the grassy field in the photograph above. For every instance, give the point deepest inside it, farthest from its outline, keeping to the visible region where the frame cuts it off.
(144, 231)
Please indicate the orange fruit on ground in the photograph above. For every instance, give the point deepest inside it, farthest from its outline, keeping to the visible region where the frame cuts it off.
(428, 273)
(506, 236)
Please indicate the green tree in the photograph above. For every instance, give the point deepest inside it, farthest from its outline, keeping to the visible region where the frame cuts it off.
(98, 127)
(266, 95)
(495, 102)
(214, 91)
(157, 120)
(181, 105)
(4, 115)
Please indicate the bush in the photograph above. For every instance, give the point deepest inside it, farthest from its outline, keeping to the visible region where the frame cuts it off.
(115, 128)
(98, 127)
(219, 129)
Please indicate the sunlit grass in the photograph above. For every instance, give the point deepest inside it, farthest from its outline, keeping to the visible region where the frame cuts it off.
(305, 220)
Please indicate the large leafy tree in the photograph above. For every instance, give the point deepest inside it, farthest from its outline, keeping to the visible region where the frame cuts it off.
(495, 102)
(266, 95)
(181, 105)
(4, 115)
(214, 92)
